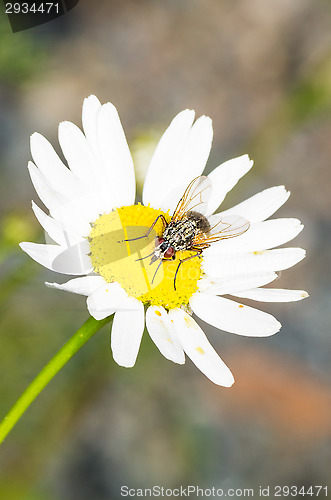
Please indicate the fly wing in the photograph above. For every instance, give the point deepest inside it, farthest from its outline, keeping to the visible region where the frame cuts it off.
(195, 198)
(222, 228)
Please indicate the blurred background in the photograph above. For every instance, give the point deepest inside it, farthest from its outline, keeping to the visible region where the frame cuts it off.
(262, 70)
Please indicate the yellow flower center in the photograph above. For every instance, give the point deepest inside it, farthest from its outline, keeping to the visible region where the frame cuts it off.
(122, 251)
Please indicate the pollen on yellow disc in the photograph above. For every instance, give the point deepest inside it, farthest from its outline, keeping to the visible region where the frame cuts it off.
(129, 262)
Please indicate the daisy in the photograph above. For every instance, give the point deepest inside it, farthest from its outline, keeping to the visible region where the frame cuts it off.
(96, 232)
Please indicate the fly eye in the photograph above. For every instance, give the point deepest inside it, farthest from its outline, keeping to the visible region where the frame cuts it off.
(158, 241)
(170, 253)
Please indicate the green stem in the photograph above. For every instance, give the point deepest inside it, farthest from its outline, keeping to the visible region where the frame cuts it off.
(85, 332)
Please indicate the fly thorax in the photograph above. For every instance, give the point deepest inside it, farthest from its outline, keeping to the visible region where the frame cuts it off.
(180, 234)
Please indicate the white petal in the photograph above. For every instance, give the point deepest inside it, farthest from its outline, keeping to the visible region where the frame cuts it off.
(181, 155)
(190, 164)
(43, 254)
(95, 192)
(48, 162)
(260, 236)
(260, 206)
(225, 177)
(82, 286)
(51, 226)
(78, 152)
(126, 334)
(67, 200)
(160, 331)
(54, 229)
(197, 149)
(232, 317)
(165, 156)
(198, 348)
(59, 183)
(91, 107)
(72, 218)
(272, 294)
(45, 191)
(105, 300)
(74, 260)
(266, 260)
(67, 261)
(62, 208)
(236, 282)
(116, 155)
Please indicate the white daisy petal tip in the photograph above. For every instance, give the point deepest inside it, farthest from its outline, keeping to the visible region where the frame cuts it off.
(108, 107)
(126, 334)
(274, 328)
(54, 286)
(24, 245)
(51, 285)
(303, 253)
(298, 225)
(64, 125)
(163, 335)
(233, 317)
(225, 177)
(99, 315)
(188, 113)
(272, 294)
(205, 120)
(35, 137)
(30, 165)
(205, 126)
(184, 118)
(84, 285)
(244, 160)
(246, 157)
(199, 350)
(281, 191)
(225, 381)
(91, 99)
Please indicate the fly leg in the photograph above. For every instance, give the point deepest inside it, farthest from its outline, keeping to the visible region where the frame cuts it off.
(158, 267)
(146, 256)
(197, 254)
(149, 230)
(146, 236)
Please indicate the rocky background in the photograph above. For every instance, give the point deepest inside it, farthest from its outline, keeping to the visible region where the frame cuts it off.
(262, 70)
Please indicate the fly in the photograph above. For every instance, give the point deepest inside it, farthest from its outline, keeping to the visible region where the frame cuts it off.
(190, 229)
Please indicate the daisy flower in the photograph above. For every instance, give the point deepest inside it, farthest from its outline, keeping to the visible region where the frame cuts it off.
(96, 232)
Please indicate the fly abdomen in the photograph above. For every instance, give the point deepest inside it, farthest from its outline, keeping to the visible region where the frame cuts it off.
(202, 223)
